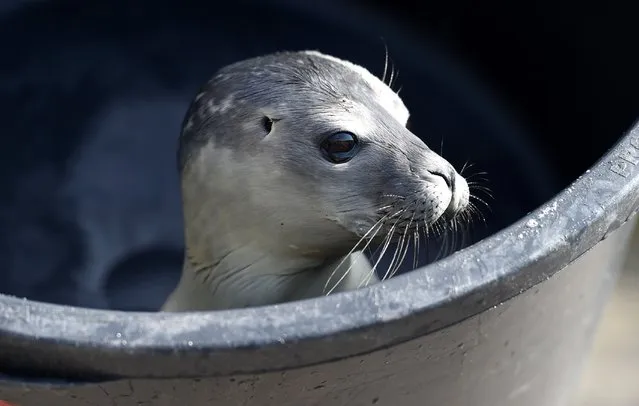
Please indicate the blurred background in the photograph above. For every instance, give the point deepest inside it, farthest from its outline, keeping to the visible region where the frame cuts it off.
(610, 376)
(92, 95)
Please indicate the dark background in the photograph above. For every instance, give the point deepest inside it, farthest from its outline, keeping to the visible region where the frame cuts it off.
(569, 68)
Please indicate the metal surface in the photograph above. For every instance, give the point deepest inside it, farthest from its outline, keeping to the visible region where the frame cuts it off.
(525, 351)
(506, 321)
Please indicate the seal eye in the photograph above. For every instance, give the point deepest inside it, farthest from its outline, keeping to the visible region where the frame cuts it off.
(339, 147)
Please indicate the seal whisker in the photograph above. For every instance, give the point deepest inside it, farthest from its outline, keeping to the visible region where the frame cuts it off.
(403, 240)
(401, 261)
(392, 74)
(441, 233)
(486, 196)
(379, 224)
(403, 256)
(476, 186)
(416, 246)
(452, 230)
(366, 280)
(481, 173)
(478, 175)
(444, 246)
(371, 272)
(385, 63)
(466, 216)
(465, 166)
(479, 182)
(386, 243)
(474, 211)
(437, 228)
(398, 249)
(397, 253)
(467, 231)
(461, 233)
(350, 266)
(397, 197)
(388, 206)
(482, 201)
(427, 241)
(458, 235)
(395, 81)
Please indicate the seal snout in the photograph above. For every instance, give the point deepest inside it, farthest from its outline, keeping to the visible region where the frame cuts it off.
(456, 184)
(460, 195)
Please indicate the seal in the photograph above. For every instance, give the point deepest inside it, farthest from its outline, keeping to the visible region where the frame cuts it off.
(291, 164)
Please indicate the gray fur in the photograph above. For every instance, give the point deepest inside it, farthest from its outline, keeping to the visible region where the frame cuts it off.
(267, 217)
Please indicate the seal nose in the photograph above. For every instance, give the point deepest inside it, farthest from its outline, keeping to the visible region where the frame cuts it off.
(436, 166)
(448, 176)
(458, 188)
(460, 195)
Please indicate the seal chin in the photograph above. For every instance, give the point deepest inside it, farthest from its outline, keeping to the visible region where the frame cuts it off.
(460, 196)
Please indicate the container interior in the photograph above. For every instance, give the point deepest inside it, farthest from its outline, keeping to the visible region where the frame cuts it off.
(94, 95)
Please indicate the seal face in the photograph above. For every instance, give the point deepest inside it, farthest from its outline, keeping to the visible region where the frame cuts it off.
(288, 161)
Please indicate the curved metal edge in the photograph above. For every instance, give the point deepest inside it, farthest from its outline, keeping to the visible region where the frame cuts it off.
(342, 325)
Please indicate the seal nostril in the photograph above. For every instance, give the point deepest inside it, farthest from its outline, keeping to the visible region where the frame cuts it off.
(446, 178)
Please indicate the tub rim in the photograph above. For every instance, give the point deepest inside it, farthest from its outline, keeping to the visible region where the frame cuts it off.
(290, 335)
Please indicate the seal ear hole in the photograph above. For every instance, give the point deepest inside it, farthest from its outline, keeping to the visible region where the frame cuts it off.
(267, 122)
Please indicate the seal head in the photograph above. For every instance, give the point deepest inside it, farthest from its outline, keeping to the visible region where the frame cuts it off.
(287, 161)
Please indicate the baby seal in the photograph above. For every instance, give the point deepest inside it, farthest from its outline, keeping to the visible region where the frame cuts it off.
(288, 161)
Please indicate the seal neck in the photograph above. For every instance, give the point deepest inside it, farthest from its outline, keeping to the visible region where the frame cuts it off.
(247, 277)
(233, 260)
